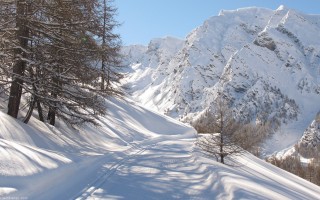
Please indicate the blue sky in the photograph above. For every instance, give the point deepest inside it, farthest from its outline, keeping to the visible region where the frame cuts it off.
(143, 20)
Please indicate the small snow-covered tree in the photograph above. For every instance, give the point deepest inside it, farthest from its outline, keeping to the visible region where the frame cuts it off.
(222, 140)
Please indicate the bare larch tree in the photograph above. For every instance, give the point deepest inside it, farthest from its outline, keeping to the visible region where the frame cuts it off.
(226, 135)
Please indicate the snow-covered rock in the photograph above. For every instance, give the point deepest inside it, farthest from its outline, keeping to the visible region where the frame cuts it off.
(265, 61)
(311, 137)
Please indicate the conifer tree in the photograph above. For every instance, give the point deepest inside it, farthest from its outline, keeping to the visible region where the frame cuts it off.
(53, 47)
(110, 44)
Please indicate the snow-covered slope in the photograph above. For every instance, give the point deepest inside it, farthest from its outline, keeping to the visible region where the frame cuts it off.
(39, 161)
(134, 154)
(307, 148)
(266, 62)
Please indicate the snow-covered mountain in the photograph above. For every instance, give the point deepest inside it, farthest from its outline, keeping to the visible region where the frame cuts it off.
(267, 62)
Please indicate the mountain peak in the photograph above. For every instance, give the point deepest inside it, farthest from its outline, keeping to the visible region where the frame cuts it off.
(282, 7)
(245, 10)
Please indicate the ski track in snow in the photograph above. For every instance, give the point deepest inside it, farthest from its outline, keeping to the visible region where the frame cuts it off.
(169, 164)
(88, 191)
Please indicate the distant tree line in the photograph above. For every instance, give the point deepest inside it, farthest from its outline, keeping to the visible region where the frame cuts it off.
(61, 55)
(293, 164)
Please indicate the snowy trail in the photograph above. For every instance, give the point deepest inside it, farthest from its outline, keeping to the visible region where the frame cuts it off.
(136, 151)
(77, 180)
(165, 170)
(171, 169)
(91, 188)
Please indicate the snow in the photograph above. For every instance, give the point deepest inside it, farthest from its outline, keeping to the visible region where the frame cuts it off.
(135, 154)
(138, 153)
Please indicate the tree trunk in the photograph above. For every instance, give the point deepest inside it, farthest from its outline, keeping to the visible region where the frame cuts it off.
(108, 78)
(19, 65)
(52, 116)
(221, 149)
(40, 113)
(102, 74)
(15, 92)
(221, 136)
(52, 111)
(54, 94)
(103, 60)
(30, 111)
(222, 158)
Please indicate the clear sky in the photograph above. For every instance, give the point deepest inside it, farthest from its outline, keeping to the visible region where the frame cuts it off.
(143, 20)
